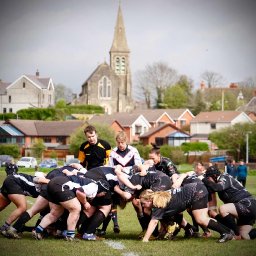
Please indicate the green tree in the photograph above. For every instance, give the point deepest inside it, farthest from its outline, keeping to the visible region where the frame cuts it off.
(38, 148)
(10, 149)
(175, 97)
(233, 139)
(199, 103)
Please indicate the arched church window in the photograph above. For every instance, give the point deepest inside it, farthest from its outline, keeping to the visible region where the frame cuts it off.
(118, 65)
(104, 88)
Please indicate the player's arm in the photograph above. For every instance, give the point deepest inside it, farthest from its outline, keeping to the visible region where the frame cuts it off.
(151, 227)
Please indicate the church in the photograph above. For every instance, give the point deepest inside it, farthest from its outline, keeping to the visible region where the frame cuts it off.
(110, 85)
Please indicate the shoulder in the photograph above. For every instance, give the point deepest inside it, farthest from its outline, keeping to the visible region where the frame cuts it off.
(104, 143)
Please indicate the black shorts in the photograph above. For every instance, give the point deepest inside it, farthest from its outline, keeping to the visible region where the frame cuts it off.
(12, 186)
(246, 210)
(56, 194)
(200, 199)
(102, 200)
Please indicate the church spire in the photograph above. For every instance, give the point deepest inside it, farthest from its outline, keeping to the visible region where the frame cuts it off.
(119, 42)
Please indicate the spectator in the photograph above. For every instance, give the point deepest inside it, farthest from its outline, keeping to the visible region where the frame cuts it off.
(242, 172)
(231, 168)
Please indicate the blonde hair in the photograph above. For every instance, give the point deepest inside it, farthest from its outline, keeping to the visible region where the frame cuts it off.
(159, 199)
(121, 136)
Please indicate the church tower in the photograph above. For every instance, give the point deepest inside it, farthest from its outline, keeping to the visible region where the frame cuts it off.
(110, 84)
(120, 63)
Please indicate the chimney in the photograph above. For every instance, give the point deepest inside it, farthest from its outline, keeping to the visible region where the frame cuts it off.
(37, 73)
(202, 85)
(233, 86)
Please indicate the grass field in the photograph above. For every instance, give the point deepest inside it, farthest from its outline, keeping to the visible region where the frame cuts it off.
(125, 243)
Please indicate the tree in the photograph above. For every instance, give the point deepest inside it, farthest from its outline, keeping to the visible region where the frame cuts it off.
(175, 97)
(233, 139)
(199, 103)
(212, 79)
(63, 92)
(38, 148)
(154, 80)
(178, 95)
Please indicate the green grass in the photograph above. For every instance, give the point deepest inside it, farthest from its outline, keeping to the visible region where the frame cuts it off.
(130, 245)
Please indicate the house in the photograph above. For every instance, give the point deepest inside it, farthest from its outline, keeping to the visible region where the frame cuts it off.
(108, 120)
(206, 122)
(155, 117)
(250, 108)
(110, 85)
(181, 117)
(164, 134)
(178, 117)
(27, 132)
(28, 91)
(134, 124)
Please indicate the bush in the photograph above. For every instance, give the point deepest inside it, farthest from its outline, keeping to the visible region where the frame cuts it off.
(143, 150)
(10, 149)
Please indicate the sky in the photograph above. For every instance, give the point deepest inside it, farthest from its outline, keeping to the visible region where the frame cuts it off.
(67, 39)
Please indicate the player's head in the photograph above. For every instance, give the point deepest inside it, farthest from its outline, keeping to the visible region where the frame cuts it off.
(212, 172)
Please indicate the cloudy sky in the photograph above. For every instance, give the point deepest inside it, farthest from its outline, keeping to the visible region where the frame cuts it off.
(67, 39)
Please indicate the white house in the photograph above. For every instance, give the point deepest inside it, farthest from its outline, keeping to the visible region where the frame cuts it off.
(207, 122)
(28, 91)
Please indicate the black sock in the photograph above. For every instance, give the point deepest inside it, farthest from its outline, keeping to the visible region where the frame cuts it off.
(82, 223)
(22, 220)
(114, 218)
(106, 222)
(96, 221)
(143, 223)
(216, 226)
(188, 226)
(252, 233)
(230, 222)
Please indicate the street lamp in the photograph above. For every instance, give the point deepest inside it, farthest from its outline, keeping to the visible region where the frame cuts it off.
(247, 147)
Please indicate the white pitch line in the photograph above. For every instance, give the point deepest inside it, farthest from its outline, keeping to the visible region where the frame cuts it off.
(119, 246)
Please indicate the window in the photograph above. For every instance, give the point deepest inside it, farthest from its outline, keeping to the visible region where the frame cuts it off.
(104, 88)
(24, 85)
(213, 125)
(4, 110)
(61, 140)
(182, 122)
(47, 139)
(10, 110)
(138, 129)
(159, 141)
(120, 65)
(10, 98)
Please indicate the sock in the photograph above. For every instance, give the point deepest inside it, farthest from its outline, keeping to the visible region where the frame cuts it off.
(70, 233)
(229, 221)
(217, 226)
(188, 227)
(142, 221)
(39, 229)
(5, 226)
(114, 217)
(81, 228)
(22, 220)
(252, 233)
(106, 222)
(96, 221)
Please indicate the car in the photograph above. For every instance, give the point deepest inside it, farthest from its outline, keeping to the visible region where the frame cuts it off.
(5, 159)
(27, 162)
(72, 161)
(48, 163)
